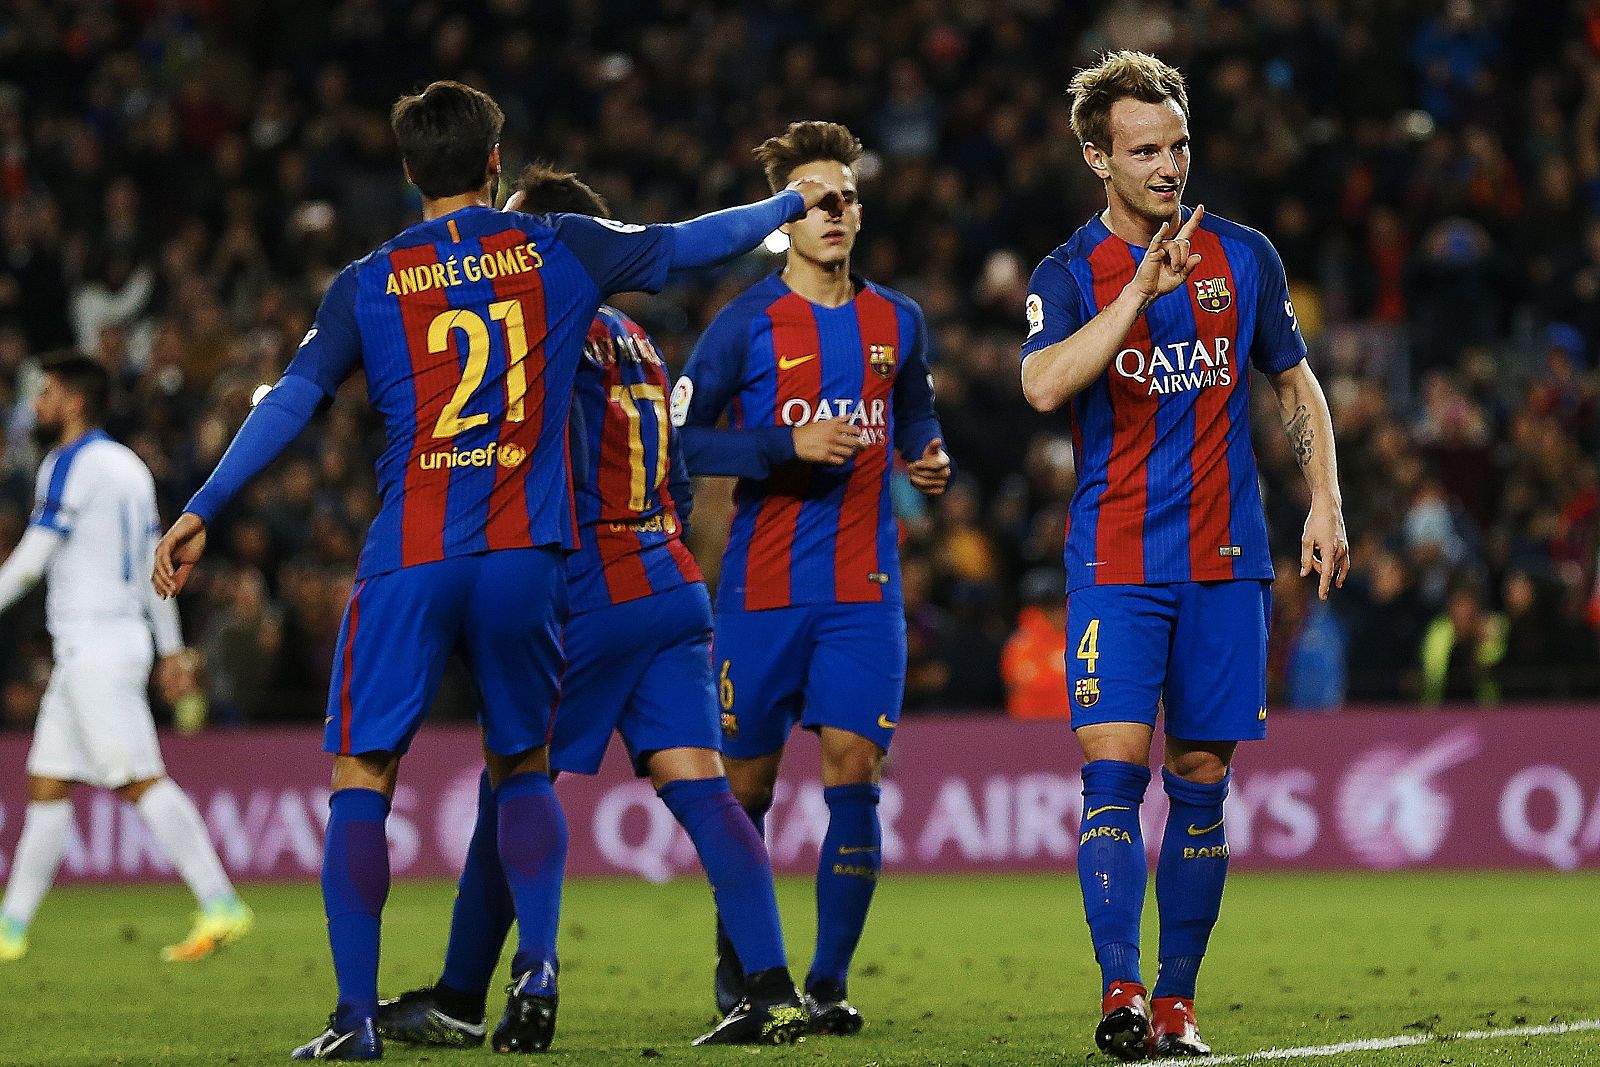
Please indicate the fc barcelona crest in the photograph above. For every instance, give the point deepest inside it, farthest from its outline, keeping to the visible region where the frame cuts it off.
(1086, 691)
(1212, 294)
(882, 359)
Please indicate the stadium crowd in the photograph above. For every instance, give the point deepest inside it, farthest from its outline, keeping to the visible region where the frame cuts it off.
(181, 178)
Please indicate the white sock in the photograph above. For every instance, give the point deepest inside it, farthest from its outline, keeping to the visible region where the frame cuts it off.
(39, 851)
(175, 822)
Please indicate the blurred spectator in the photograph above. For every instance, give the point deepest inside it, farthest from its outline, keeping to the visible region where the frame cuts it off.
(1034, 659)
(1306, 667)
(1385, 620)
(176, 193)
(1463, 649)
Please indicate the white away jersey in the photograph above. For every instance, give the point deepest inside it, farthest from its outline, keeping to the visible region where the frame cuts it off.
(100, 498)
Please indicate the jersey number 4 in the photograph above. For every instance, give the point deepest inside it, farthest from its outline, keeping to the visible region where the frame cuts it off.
(470, 323)
(1089, 647)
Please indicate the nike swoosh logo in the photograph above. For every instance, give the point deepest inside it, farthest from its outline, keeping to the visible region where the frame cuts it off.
(1092, 812)
(883, 721)
(791, 362)
(1201, 833)
(456, 1024)
(331, 1047)
(851, 850)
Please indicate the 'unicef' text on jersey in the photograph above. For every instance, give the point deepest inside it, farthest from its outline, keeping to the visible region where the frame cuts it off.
(470, 328)
(1166, 473)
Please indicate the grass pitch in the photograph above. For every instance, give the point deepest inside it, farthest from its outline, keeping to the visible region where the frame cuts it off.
(953, 971)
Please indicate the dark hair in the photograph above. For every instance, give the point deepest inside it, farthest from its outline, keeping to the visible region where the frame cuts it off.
(446, 133)
(545, 189)
(83, 377)
(1138, 75)
(802, 143)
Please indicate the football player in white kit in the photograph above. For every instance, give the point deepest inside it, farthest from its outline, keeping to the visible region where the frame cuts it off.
(92, 537)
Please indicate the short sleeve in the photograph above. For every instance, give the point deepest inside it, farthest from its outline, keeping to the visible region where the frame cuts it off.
(1054, 307)
(620, 257)
(1277, 345)
(331, 349)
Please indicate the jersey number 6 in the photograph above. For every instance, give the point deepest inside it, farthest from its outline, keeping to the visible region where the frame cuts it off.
(451, 421)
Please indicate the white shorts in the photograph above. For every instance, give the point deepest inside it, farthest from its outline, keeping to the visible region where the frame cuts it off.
(94, 721)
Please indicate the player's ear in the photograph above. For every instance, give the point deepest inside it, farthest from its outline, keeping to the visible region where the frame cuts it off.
(492, 171)
(1096, 159)
(407, 168)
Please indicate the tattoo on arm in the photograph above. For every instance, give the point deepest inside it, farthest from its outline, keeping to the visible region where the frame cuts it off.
(1299, 430)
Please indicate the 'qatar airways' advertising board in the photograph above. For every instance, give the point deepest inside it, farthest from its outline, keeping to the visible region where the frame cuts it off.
(1374, 790)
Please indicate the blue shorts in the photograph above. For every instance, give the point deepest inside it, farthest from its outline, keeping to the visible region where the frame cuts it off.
(1199, 648)
(642, 669)
(502, 611)
(840, 665)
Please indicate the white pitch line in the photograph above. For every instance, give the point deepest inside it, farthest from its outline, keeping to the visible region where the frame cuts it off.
(1376, 1044)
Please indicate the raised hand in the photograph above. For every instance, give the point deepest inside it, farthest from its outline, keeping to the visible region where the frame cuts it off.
(816, 191)
(177, 554)
(930, 474)
(832, 442)
(1167, 262)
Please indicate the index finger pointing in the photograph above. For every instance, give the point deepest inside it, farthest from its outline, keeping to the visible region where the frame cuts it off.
(1189, 227)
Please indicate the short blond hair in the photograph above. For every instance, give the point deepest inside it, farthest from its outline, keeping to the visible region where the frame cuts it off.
(1120, 74)
(806, 142)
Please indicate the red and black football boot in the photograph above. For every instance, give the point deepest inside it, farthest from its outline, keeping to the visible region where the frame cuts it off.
(1124, 1030)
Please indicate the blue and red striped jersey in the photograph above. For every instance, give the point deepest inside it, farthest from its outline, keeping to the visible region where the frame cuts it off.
(1167, 486)
(470, 328)
(804, 533)
(629, 481)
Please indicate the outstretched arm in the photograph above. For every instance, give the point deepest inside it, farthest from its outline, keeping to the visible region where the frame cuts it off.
(272, 425)
(1055, 374)
(712, 238)
(1324, 547)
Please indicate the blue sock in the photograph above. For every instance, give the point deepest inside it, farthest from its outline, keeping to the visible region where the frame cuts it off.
(355, 884)
(847, 873)
(1189, 878)
(758, 816)
(737, 866)
(482, 915)
(533, 848)
(1112, 869)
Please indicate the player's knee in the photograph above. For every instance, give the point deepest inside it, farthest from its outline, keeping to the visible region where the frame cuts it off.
(850, 759)
(135, 790)
(44, 790)
(1202, 765)
(684, 764)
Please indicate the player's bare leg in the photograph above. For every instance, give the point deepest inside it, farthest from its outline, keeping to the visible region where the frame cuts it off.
(1112, 871)
(847, 873)
(1189, 881)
